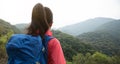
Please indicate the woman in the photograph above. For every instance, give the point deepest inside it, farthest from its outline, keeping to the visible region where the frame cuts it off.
(55, 53)
(21, 50)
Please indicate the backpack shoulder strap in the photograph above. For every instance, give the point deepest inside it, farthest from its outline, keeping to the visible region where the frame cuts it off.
(45, 44)
(47, 39)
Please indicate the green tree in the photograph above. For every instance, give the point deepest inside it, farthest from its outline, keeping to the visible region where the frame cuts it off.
(3, 40)
(116, 59)
(100, 58)
(96, 58)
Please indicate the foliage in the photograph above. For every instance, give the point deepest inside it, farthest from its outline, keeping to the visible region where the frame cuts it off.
(71, 45)
(69, 62)
(3, 40)
(96, 58)
(105, 39)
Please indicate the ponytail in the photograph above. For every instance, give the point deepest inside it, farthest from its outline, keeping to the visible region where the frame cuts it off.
(39, 24)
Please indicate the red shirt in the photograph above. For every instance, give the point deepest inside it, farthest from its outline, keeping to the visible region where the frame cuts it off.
(55, 53)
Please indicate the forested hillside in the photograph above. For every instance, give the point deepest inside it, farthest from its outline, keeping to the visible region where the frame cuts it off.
(98, 47)
(4, 27)
(72, 45)
(105, 39)
(6, 30)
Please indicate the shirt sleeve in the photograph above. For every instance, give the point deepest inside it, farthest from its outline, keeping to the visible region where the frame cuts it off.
(55, 53)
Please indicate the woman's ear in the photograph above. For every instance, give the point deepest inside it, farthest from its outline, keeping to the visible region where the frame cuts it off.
(50, 24)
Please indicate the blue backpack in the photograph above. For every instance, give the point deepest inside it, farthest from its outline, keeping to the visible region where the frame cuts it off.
(27, 49)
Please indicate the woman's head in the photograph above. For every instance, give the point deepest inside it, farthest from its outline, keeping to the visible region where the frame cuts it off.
(49, 16)
(39, 24)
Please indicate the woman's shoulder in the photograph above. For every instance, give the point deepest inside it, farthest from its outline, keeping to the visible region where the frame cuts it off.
(54, 42)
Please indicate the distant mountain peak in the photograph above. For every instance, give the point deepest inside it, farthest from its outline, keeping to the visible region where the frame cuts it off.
(103, 18)
(85, 26)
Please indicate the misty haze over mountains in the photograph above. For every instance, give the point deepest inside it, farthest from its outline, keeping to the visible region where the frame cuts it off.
(85, 26)
(78, 28)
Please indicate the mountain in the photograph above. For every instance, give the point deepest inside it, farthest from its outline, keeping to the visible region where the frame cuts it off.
(72, 45)
(111, 27)
(22, 27)
(15, 29)
(106, 38)
(85, 26)
(6, 27)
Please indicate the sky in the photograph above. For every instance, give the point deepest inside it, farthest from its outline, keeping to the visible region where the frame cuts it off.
(65, 12)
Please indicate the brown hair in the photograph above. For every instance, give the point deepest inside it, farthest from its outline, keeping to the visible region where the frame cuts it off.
(49, 15)
(39, 24)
